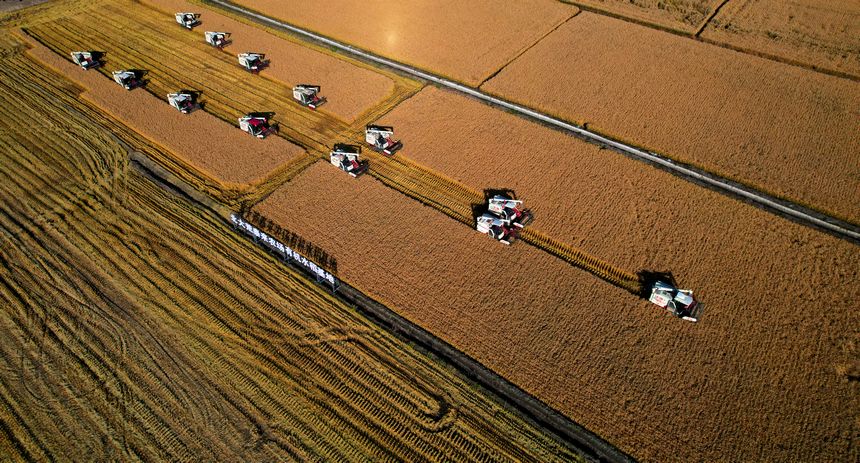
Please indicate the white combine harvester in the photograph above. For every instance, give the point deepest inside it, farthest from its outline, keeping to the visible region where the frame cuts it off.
(188, 20)
(86, 59)
(253, 62)
(308, 95)
(257, 124)
(680, 302)
(129, 79)
(503, 219)
(379, 137)
(184, 100)
(217, 39)
(348, 158)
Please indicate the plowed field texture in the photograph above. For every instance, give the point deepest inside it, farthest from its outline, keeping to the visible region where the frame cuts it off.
(787, 130)
(139, 327)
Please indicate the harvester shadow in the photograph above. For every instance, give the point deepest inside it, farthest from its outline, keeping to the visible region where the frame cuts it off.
(647, 279)
(293, 240)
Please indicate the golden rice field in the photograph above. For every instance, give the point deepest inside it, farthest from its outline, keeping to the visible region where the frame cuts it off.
(138, 326)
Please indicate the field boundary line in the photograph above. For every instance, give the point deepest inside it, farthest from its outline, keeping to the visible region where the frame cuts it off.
(709, 18)
(528, 47)
(781, 207)
(693, 35)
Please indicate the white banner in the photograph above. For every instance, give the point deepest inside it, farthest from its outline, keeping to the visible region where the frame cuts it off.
(284, 250)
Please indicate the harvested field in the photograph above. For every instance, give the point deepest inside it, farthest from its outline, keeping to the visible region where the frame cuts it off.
(757, 379)
(139, 327)
(137, 36)
(820, 33)
(679, 15)
(467, 41)
(795, 137)
(350, 89)
(225, 153)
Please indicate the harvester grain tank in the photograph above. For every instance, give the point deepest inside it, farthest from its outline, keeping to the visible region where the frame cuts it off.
(308, 95)
(129, 79)
(86, 59)
(379, 137)
(217, 39)
(680, 302)
(348, 158)
(253, 62)
(503, 218)
(188, 20)
(184, 100)
(257, 124)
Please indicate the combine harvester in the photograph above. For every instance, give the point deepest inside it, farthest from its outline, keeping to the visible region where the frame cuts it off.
(184, 100)
(348, 159)
(129, 79)
(258, 124)
(253, 62)
(217, 39)
(188, 20)
(308, 95)
(379, 137)
(87, 59)
(504, 218)
(679, 302)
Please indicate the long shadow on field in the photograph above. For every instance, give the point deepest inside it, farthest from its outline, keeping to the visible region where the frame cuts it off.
(647, 278)
(293, 240)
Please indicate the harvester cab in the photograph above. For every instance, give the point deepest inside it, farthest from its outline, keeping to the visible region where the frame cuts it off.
(509, 210)
(129, 79)
(257, 124)
(253, 62)
(348, 158)
(188, 20)
(308, 95)
(379, 137)
(184, 100)
(680, 302)
(217, 39)
(496, 228)
(86, 59)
